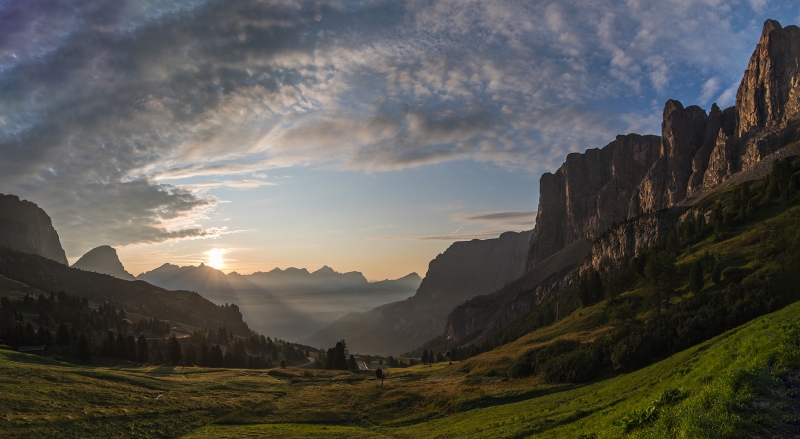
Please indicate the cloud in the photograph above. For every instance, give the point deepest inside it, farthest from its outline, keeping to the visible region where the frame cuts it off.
(710, 87)
(512, 219)
(454, 237)
(108, 108)
(229, 184)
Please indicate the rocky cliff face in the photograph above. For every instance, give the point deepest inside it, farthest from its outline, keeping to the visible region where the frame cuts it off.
(629, 237)
(464, 270)
(642, 181)
(25, 227)
(695, 153)
(103, 260)
(768, 96)
(589, 193)
(483, 314)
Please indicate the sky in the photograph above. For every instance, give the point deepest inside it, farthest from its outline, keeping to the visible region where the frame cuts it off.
(363, 135)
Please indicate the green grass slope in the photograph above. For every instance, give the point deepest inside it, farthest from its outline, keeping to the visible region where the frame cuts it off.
(743, 383)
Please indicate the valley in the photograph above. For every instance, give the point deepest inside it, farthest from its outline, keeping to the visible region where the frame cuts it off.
(657, 294)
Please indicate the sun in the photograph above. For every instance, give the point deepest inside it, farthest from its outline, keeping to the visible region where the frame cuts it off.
(215, 258)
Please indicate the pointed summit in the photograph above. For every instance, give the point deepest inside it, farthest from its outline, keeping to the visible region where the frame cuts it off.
(25, 227)
(767, 97)
(769, 26)
(104, 260)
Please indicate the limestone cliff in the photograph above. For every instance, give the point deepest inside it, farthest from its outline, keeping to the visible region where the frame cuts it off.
(103, 260)
(695, 154)
(589, 193)
(642, 183)
(25, 227)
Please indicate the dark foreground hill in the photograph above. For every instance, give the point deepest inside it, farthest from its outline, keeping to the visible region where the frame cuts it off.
(137, 297)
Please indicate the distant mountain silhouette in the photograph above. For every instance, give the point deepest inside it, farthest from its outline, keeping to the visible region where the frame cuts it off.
(210, 281)
(25, 227)
(202, 278)
(104, 260)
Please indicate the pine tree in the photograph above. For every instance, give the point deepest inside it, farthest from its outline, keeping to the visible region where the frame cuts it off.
(62, 335)
(174, 350)
(660, 274)
(122, 347)
(142, 350)
(352, 363)
(716, 275)
(84, 351)
(696, 277)
(109, 345)
(131, 342)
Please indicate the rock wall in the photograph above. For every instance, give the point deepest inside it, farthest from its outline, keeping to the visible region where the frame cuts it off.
(25, 227)
(629, 237)
(696, 152)
(641, 182)
(589, 193)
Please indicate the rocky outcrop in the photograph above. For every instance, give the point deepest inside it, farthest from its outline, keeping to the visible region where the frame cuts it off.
(589, 193)
(768, 96)
(104, 260)
(696, 153)
(25, 227)
(642, 182)
(483, 314)
(465, 270)
(631, 236)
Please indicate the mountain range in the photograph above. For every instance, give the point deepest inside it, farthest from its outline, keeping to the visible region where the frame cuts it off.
(607, 203)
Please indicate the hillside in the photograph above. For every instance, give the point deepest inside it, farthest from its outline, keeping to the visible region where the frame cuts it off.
(743, 382)
(138, 296)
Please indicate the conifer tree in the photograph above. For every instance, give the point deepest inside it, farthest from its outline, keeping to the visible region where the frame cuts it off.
(142, 350)
(84, 351)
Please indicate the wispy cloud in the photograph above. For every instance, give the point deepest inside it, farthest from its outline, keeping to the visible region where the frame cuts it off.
(490, 234)
(105, 102)
(510, 219)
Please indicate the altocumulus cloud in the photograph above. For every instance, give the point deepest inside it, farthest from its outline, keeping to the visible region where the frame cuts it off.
(108, 105)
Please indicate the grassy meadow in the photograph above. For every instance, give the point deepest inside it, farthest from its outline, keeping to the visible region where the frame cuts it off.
(740, 384)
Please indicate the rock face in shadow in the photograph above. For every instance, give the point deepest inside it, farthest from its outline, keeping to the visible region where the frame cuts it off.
(589, 193)
(696, 153)
(25, 227)
(104, 260)
(768, 96)
(464, 270)
(642, 182)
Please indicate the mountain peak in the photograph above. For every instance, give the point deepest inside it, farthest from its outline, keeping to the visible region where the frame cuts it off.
(25, 227)
(769, 26)
(104, 260)
(325, 270)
